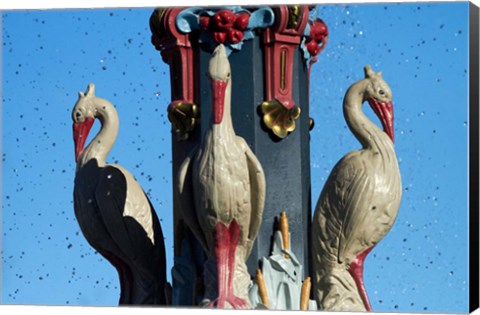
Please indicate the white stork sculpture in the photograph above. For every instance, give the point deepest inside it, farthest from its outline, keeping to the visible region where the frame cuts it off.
(221, 192)
(359, 202)
(113, 212)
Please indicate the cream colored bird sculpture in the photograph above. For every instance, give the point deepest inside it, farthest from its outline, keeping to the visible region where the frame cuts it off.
(359, 202)
(113, 212)
(222, 194)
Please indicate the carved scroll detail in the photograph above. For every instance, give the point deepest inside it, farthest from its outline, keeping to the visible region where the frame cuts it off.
(281, 41)
(177, 51)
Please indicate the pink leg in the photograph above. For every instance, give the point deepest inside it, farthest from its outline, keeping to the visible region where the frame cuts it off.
(234, 230)
(356, 270)
(222, 242)
(226, 242)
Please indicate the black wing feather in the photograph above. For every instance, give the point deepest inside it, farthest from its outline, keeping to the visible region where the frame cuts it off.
(111, 194)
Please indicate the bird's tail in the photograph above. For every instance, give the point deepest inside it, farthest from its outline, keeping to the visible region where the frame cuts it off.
(148, 290)
(335, 290)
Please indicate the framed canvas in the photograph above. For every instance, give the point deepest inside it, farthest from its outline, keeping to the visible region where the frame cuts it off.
(292, 68)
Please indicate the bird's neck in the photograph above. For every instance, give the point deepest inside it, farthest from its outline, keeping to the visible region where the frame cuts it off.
(366, 132)
(102, 143)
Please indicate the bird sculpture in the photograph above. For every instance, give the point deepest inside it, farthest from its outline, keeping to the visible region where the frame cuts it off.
(114, 214)
(359, 202)
(221, 190)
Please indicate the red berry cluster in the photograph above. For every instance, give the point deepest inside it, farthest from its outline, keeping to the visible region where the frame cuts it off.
(225, 26)
(318, 34)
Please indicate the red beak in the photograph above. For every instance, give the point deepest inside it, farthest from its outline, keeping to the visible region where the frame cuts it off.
(218, 94)
(384, 111)
(80, 134)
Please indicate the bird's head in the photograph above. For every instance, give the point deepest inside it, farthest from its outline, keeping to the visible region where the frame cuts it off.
(379, 96)
(220, 75)
(83, 116)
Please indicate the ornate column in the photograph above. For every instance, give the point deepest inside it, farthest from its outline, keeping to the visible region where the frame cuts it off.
(270, 52)
(183, 112)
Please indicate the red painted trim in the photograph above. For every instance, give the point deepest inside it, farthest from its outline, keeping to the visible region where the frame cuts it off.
(278, 39)
(177, 51)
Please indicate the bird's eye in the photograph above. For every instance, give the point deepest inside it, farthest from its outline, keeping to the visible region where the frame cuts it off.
(78, 114)
(381, 92)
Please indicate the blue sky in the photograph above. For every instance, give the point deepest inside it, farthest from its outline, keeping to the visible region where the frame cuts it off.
(48, 56)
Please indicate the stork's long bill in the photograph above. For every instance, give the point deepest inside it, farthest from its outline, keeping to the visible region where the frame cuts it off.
(218, 94)
(80, 134)
(384, 111)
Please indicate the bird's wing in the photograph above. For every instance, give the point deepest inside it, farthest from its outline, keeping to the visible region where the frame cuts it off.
(257, 194)
(157, 261)
(90, 221)
(354, 192)
(183, 195)
(157, 228)
(125, 230)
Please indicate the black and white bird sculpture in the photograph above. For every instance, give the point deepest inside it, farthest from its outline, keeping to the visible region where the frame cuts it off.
(359, 202)
(221, 192)
(113, 212)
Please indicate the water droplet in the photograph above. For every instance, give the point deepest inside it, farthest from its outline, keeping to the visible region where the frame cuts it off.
(90, 200)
